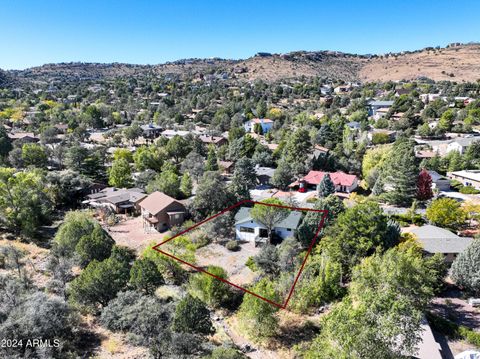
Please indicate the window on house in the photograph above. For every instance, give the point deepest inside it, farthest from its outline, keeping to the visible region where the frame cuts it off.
(289, 229)
(247, 230)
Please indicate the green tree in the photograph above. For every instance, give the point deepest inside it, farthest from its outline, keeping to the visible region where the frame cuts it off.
(381, 316)
(167, 182)
(401, 172)
(282, 176)
(24, 204)
(320, 284)
(100, 282)
(296, 148)
(5, 143)
(212, 196)
(144, 275)
(257, 316)
(75, 226)
(192, 316)
(177, 148)
(123, 153)
(146, 158)
(446, 120)
(132, 133)
(358, 232)
(120, 174)
(466, 267)
(446, 212)
(212, 162)
(310, 223)
(326, 187)
(209, 289)
(34, 155)
(269, 214)
(186, 185)
(244, 178)
(95, 245)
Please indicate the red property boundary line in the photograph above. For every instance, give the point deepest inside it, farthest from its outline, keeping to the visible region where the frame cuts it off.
(199, 269)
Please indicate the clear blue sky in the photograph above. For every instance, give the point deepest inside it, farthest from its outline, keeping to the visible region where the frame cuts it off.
(34, 32)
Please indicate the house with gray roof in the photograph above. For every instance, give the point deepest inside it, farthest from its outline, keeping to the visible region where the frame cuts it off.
(247, 229)
(439, 240)
(119, 200)
(460, 144)
(374, 105)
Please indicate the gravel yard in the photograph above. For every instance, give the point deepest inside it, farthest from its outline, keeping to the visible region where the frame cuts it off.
(232, 262)
(130, 233)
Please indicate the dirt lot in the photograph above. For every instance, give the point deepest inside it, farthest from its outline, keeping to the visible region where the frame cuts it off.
(130, 233)
(232, 262)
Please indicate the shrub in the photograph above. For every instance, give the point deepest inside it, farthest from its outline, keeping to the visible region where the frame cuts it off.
(453, 330)
(250, 263)
(468, 190)
(232, 246)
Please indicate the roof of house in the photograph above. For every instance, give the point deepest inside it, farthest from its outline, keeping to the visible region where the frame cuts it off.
(211, 139)
(438, 240)
(353, 124)
(261, 120)
(225, 164)
(157, 202)
(473, 175)
(264, 171)
(292, 221)
(339, 178)
(379, 103)
(174, 133)
(117, 195)
(466, 141)
(150, 126)
(436, 176)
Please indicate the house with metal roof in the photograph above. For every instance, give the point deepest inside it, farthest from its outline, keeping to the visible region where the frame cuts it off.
(247, 229)
(434, 240)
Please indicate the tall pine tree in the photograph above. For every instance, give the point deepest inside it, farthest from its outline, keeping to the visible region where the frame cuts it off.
(212, 164)
(326, 187)
(400, 173)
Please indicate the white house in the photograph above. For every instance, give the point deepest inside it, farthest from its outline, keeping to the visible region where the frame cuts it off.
(266, 124)
(466, 177)
(461, 144)
(247, 229)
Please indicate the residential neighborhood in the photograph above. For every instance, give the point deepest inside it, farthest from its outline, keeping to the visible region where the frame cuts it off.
(177, 191)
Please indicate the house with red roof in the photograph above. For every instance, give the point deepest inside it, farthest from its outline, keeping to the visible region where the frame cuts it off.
(343, 182)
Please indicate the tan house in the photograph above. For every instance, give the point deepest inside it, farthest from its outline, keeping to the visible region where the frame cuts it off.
(161, 212)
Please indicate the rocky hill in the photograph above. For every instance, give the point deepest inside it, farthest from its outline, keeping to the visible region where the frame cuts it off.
(455, 63)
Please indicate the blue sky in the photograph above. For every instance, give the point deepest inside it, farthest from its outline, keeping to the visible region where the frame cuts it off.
(34, 32)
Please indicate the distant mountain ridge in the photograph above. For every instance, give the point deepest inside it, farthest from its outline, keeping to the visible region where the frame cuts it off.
(457, 62)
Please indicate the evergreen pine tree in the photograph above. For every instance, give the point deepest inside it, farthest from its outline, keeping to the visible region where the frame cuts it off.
(326, 186)
(212, 164)
(186, 185)
(466, 267)
(401, 173)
